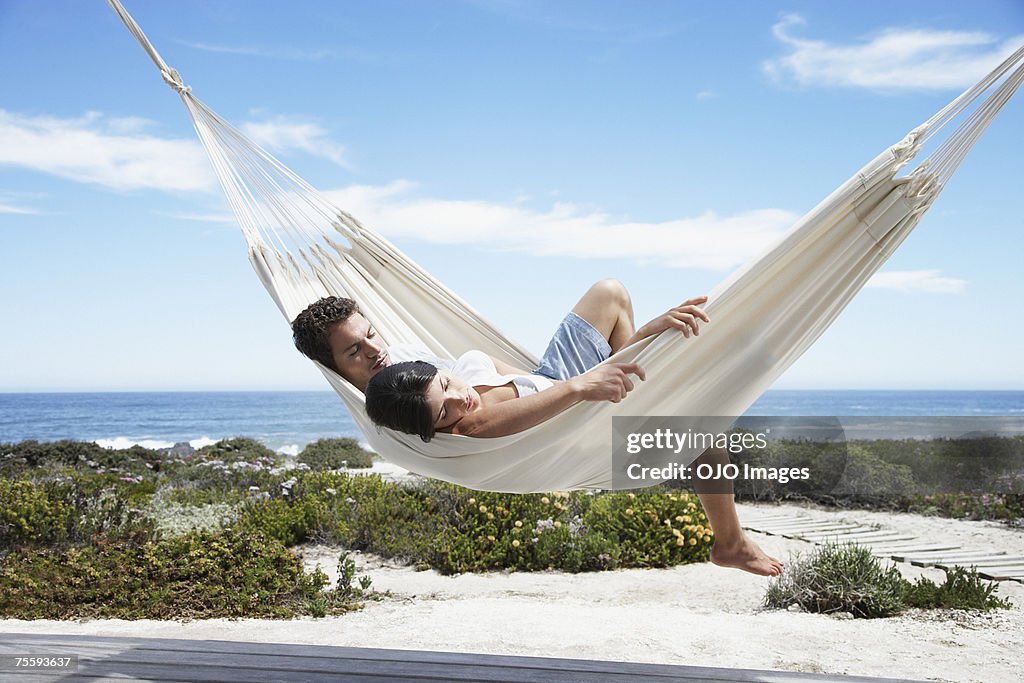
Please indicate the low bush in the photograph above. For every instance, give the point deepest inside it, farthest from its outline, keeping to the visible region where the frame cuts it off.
(71, 510)
(1007, 507)
(196, 576)
(239, 449)
(848, 578)
(17, 459)
(962, 589)
(335, 454)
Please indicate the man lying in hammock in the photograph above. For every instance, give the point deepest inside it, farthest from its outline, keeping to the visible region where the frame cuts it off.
(334, 333)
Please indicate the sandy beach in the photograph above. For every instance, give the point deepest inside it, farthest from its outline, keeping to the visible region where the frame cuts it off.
(695, 614)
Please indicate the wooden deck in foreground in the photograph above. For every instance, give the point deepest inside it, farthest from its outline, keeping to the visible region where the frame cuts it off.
(164, 659)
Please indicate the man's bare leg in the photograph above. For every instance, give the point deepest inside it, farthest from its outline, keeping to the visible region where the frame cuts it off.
(608, 307)
(732, 547)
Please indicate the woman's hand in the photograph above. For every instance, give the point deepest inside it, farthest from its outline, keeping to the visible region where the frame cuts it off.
(607, 382)
(683, 317)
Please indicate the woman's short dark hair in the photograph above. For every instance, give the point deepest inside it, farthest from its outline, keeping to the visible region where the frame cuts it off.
(396, 398)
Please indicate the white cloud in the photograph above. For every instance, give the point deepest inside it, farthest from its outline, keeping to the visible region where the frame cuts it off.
(348, 53)
(282, 133)
(117, 152)
(21, 210)
(275, 52)
(706, 95)
(706, 241)
(928, 281)
(109, 152)
(220, 218)
(904, 59)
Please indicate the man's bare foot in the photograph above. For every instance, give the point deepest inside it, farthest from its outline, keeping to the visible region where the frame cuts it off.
(745, 555)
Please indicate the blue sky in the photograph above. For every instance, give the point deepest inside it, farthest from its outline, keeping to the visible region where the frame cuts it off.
(477, 136)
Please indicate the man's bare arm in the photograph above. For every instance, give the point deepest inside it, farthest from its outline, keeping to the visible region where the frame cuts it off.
(683, 317)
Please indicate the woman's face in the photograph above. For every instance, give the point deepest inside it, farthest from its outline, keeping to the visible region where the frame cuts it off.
(450, 399)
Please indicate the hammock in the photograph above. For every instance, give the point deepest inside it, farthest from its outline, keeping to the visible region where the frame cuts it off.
(765, 315)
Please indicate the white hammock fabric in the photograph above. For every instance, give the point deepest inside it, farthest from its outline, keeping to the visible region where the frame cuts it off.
(764, 316)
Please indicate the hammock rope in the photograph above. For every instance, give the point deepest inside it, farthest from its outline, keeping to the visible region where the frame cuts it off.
(766, 314)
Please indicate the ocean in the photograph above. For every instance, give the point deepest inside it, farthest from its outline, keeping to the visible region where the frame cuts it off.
(286, 421)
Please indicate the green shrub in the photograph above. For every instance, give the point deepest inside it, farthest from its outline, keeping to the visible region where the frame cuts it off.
(335, 454)
(839, 578)
(651, 528)
(1008, 507)
(197, 576)
(288, 522)
(227, 471)
(239, 449)
(571, 531)
(962, 589)
(69, 511)
(17, 459)
(848, 578)
(31, 514)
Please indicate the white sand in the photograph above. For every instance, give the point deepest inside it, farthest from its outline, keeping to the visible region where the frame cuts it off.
(694, 614)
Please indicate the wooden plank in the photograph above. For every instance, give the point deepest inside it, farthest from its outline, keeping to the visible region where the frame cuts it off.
(811, 524)
(929, 559)
(993, 561)
(1000, 574)
(863, 539)
(908, 546)
(156, 659)
(900, 554)
(912, 543)
(851, 532)
(769, 522)
(779, 515)
(817, 528)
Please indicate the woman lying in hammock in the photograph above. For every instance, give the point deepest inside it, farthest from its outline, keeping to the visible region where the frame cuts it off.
(417, 398)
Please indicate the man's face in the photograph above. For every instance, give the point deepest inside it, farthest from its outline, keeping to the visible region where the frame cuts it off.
(357, 350)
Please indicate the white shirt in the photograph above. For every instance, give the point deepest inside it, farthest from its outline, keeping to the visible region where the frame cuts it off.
(476, 368)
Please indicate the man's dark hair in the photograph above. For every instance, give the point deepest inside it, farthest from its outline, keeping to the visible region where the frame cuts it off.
(396, 398)
(311, 328)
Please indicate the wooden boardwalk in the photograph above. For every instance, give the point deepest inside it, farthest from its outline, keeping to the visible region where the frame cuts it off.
(164, 659)
(996, 565)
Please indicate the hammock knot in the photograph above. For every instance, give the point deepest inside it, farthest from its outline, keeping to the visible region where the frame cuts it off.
(173, 79)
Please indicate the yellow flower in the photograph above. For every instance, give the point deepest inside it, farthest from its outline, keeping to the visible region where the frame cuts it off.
(680, 540)
(668, 522)
(519, 524)
(515, 543)
(483, 508)
(545, 500)
(680, 518)
(557, 524)
(629, 511)
(693, 541)
(472, 500)
(707, 539)
(631, 495)
(490, 515)
(490, 538)
(677, 533)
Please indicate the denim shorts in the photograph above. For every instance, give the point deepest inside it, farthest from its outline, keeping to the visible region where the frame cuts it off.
(575, 348)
